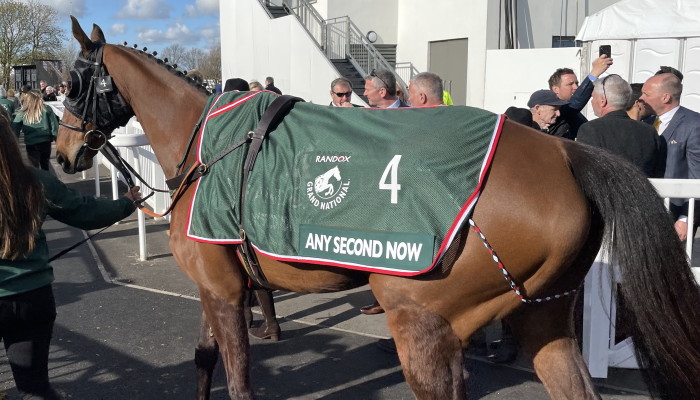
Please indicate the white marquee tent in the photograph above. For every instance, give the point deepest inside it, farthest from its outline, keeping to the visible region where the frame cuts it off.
(646, 34)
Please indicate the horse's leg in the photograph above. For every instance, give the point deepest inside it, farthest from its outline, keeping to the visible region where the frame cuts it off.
(546, 332)
(430, 353)
(205, 356)
(228, 324)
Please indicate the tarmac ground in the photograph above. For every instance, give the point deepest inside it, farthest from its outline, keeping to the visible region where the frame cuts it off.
(126, 329)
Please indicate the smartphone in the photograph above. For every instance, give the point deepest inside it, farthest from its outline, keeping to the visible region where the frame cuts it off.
(605, 49)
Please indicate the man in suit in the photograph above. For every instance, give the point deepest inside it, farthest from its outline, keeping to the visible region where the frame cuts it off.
(680, 127)
(565, 85)
(380, 90)
(619, 134)
(270, 85)
(341, 93)
(425, 90)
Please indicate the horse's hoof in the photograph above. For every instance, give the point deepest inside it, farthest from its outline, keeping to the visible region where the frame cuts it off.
(262, 332)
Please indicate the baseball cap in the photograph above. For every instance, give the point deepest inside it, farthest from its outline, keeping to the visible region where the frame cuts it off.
(545, 97)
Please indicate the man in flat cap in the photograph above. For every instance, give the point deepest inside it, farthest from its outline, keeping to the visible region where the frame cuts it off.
(544, 106)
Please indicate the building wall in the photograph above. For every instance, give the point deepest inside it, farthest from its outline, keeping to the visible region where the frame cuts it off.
(369, 15)
(540, 20)
(508, 86)
(422, 22)
(255, 47)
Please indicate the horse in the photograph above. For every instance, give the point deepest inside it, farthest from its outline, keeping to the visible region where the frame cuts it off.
(322, 182)
(547, 207)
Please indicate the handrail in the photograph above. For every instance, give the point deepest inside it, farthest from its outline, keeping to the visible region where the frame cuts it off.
(310, 19)
(406, 70)
(340, 38)
(345, 40)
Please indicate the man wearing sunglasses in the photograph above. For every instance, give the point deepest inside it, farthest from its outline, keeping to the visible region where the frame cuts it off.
(341, 93)
(380, 90)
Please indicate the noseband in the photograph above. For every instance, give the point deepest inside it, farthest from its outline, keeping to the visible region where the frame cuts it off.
(95, 100)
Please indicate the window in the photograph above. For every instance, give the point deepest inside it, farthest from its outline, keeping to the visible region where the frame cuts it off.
(565, 41)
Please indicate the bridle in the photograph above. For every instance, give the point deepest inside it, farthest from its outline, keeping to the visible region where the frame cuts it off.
(95, 100)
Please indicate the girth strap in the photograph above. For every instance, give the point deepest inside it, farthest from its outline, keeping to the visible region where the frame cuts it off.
(272, 116)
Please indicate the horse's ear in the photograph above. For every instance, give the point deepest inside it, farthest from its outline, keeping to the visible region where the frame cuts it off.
(97, 35)
(81, 37)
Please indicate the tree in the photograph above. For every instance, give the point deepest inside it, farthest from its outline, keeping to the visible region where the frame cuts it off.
(27, 31)
(175, 53)
(210, 65)
(14, 37)
(191, 59)
(45, 38)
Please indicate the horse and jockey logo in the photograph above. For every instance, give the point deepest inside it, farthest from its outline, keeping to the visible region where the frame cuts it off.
(327, 190)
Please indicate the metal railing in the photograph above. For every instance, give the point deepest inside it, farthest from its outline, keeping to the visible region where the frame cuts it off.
(406, 70)
(340, 38)
(600, 348)
(310, 19)
(345, 40)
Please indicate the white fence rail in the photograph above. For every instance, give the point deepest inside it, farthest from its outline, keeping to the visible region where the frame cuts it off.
(132, 144)
(600, 349)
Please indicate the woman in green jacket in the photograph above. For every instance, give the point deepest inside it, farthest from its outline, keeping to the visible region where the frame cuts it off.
(40, 125)
(27, 307)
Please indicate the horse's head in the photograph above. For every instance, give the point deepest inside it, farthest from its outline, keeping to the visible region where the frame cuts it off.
(94, 108)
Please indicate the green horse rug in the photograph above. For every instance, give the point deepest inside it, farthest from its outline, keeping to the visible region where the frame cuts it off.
(380, 190)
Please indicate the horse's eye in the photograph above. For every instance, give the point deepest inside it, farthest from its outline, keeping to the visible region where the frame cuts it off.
(76, 85)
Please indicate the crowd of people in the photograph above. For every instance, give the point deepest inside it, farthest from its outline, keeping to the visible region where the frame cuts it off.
(640, 122)
(27, 306)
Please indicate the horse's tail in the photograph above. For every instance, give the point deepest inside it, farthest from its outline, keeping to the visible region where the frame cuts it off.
(658, 286)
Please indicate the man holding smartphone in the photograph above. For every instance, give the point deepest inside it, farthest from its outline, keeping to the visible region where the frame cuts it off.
(566, 86)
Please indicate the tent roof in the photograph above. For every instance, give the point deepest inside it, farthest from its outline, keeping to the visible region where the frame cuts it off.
(643, 19)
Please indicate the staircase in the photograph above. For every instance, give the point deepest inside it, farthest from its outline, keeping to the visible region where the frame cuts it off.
(277, 11)
(343, 43)
(349, 72)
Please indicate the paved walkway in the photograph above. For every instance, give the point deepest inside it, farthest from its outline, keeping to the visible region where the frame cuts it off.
(126, 329)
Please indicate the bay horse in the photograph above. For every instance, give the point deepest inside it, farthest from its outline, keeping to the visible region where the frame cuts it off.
(546, 207)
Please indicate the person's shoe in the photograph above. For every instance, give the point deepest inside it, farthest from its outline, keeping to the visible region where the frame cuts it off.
(506, 351)
(372, 309)
(478, 348)
(387, 345)
(262, 332)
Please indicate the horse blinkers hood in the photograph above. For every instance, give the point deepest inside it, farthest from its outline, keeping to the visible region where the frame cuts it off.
(93, 96)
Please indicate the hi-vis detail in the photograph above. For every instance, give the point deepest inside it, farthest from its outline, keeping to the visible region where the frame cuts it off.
(327, 190)
(392, 249)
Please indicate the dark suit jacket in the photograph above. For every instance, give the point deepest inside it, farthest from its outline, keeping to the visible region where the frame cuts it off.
(570, 118)
(632, 140)
(273, 88)
(683, 161)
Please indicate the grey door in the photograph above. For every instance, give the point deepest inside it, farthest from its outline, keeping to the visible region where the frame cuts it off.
(448, 58)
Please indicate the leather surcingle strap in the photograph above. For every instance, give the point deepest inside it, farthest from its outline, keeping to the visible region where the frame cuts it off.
(272, 115)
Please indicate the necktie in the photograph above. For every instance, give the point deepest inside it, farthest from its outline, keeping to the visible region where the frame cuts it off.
(657, 123)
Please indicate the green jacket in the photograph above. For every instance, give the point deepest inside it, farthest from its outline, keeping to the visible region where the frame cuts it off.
(43, 131)
(70, 207)
(9, 106)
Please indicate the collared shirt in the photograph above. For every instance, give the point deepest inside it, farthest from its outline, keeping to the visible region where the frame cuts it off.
(666, 119)
(395, 104)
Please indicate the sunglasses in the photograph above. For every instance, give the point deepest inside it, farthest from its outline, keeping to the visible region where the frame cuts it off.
(602, 83)
(374, 74)
(343, 94)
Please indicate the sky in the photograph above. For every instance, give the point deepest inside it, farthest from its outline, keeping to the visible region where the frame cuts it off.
(155, 24)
